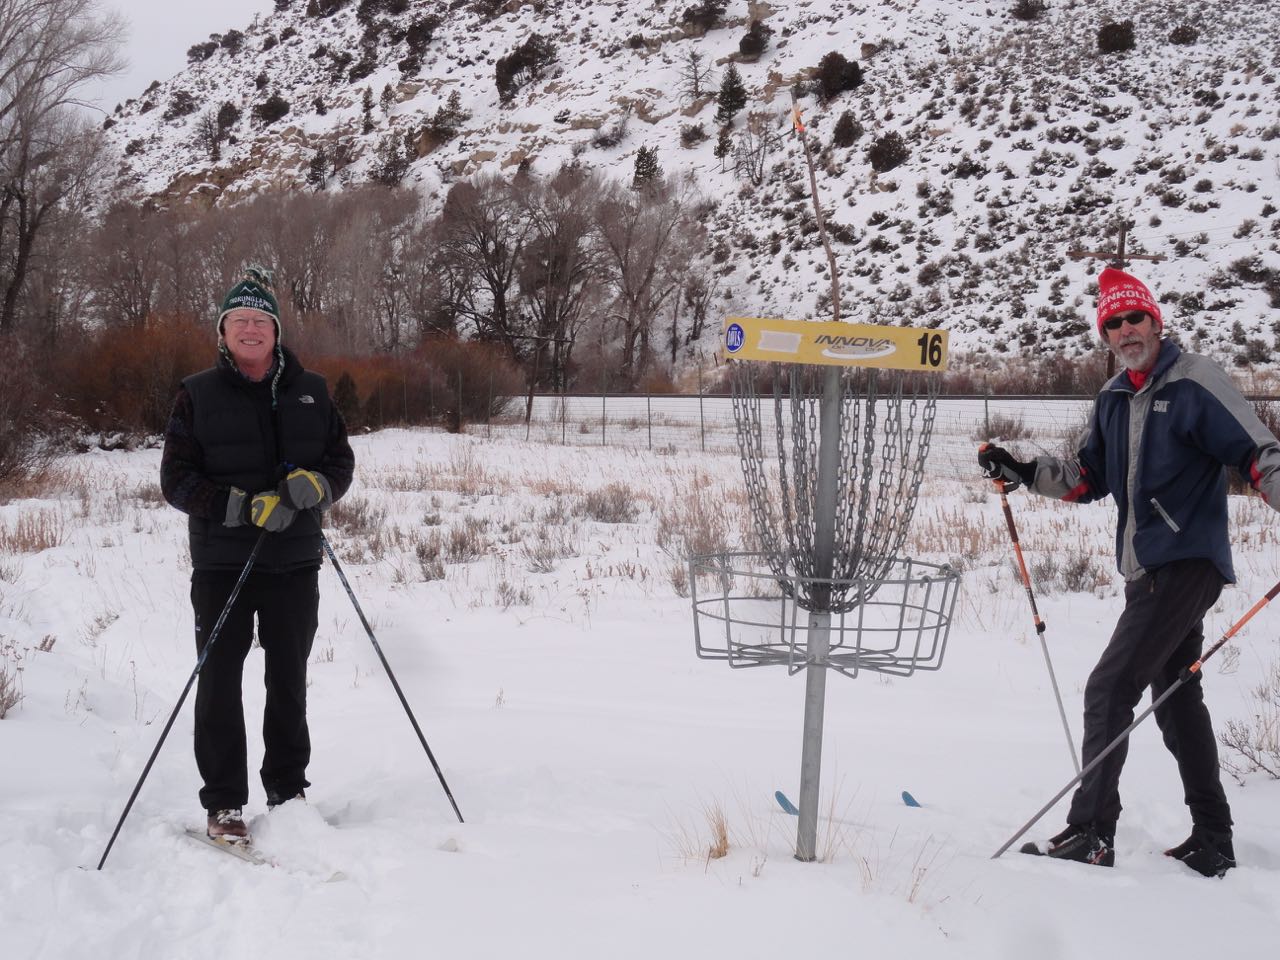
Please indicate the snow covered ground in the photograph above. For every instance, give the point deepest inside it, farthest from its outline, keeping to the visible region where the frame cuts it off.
(584, 742)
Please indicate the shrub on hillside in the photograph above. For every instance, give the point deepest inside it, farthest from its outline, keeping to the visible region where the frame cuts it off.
(200, 52)
(271, 109)
(325, 8)
(180, 105)
(1116, 37)
(1184, 34)
(887, 152)
(692, 134)
(756, 40)
(704, 16)
(836, 74)
(523, 65)
(847, 130)
(1028, 10)
(420, 33)
(232, 41)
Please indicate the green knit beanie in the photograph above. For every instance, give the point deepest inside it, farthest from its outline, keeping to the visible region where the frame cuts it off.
(254, 292)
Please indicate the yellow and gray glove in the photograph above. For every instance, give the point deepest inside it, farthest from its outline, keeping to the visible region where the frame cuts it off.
(304, 489)
(268, 511)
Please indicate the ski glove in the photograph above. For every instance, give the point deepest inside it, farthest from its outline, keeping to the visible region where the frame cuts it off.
(997, 463)
(304, 489)
(267, 511)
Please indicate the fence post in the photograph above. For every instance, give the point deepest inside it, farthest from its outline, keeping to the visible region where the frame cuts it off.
(648, 403)
(604, 393)
(702, 418)
(986, 408)
(564, 416)
(488, 410)
(404, 371)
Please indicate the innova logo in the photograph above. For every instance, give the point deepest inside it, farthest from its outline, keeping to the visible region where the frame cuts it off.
(854, 348)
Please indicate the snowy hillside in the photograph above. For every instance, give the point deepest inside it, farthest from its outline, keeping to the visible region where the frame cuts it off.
(1023, 141)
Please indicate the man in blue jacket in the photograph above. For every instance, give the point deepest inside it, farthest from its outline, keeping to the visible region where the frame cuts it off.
(1161, 436)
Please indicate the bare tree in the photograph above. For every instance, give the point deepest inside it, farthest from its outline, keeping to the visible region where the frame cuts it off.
(559, 270)
(49, 49)
(638, 233)
(695, 75)
(483, 238)
(47, 165)
(758, 140)
(127, 267)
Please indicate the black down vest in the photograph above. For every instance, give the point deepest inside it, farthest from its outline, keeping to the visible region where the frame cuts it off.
(248, 445)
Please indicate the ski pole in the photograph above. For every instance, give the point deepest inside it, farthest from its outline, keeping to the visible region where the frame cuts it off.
(1186, 675)
(204, 655)
(387, 667)
(1035, 614)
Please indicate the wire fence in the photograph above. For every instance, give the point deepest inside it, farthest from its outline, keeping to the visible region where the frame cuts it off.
(667, 424)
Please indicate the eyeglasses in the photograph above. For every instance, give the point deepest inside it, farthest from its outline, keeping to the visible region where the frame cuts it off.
(1133, 319)
(258, 322)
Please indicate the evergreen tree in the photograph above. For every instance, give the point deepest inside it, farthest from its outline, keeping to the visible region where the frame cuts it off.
(724, 144)
(647, 170)
(732, 96)
(366, 108)
(387, 100)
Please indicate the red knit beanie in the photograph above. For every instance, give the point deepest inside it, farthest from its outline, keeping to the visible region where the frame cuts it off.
(1118, 292)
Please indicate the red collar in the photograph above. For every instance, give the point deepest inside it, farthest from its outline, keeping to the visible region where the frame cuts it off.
(1138, 378)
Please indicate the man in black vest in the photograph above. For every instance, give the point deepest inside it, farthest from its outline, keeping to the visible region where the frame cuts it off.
(254, 444)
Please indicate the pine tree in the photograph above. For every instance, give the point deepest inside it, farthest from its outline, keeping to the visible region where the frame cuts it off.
(387, 100)
(724, 145)
(366, 108)
(732, 96)
(647, 170)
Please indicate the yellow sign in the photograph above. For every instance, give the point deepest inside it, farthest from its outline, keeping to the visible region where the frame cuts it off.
(834, 344)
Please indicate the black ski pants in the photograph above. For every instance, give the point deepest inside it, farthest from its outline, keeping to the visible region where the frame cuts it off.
(285, 605)
(1159, 634)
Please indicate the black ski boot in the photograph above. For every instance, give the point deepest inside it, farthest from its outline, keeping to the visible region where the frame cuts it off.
(1208, 855)
(1083, 844)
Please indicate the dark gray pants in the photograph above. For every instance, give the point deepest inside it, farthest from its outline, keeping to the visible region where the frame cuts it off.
(1159, 634)
(285, 605)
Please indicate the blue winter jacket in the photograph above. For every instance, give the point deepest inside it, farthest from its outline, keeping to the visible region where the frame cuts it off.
(1162, 452)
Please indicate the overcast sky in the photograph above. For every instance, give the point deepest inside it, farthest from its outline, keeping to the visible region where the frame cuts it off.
(160, 31)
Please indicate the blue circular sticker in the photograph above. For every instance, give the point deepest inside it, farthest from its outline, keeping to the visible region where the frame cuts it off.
(734, 338)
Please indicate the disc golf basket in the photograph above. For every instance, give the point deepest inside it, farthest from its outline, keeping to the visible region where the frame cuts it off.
(832, 479)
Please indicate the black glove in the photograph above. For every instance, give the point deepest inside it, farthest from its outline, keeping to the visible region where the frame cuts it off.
(304, 489)
(268, 512)
(997, 463)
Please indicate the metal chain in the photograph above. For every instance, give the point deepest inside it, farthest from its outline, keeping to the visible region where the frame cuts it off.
(878, 485)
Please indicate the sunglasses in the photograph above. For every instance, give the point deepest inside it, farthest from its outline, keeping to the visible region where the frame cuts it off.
(1133, 319)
